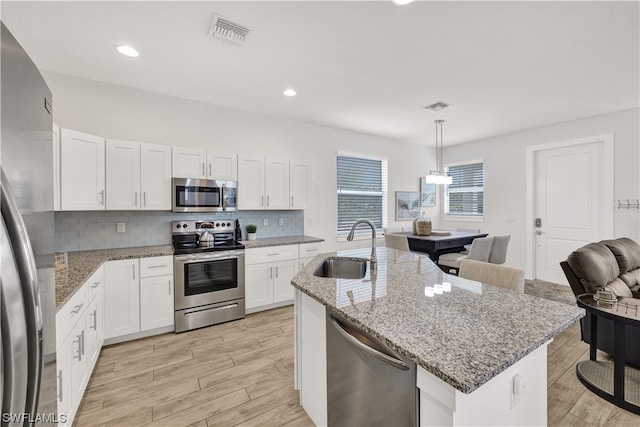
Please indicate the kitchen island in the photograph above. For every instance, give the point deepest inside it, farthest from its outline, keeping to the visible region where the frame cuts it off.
(480, 350)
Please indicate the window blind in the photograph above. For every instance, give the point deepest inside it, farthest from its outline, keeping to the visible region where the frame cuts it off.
(362, 191)
(465, 195)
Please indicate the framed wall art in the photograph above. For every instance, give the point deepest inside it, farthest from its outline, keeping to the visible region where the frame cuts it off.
(427, 193)
(407, 205)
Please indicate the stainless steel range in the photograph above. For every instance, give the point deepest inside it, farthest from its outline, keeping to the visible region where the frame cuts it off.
(209, 273)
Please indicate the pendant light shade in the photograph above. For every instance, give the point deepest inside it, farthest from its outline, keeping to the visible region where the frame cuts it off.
(439, 176)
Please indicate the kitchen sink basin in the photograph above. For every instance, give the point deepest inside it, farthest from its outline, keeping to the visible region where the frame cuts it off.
(342, 268)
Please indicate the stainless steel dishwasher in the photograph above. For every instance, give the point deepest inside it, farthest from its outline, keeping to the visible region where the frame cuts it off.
(368, 383)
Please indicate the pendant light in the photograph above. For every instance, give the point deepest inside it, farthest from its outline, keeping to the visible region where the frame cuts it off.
(439, 176)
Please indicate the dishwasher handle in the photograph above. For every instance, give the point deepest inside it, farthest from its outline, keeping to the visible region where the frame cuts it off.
(390, 360)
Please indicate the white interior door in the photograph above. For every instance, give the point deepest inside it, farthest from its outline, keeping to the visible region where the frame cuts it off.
(571, 199)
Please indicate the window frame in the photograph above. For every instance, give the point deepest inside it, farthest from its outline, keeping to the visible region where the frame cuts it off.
(466, 216)
(363, 232)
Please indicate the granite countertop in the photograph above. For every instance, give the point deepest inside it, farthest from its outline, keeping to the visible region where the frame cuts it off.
(83, 264)
(280, 241)
(465, 337)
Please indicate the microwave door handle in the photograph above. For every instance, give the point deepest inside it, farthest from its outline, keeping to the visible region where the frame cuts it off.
(224, 197)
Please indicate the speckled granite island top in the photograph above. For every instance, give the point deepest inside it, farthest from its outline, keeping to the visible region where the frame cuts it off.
(464, 337)
(280, 241)
(82, 264)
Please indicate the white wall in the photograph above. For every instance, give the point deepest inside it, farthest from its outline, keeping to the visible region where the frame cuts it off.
(505, 197)
(123, 113)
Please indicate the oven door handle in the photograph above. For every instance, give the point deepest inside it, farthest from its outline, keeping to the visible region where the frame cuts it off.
(191, 258)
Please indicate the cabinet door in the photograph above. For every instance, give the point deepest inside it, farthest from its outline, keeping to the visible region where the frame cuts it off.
(277, 183)
(123, 175)
(95, 329)
(283, 273)
(155, 176)
(63, 365)
(258, 285)
(56, 167)
(121, 298)
(156, 302)
(222, 166)
(299, 185)
(79, 371)
(189, 163)
(82, 165)
(251, 182)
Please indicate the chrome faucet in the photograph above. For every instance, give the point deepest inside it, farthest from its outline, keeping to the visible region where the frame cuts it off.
(373, 237)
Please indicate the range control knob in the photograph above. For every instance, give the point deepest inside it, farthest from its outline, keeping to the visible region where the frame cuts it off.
(217, 224)
(184, 225)
(228, 224)
(178, 226)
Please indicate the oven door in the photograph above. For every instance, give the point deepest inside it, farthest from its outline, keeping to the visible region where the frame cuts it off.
(197, 195)
(208, 277)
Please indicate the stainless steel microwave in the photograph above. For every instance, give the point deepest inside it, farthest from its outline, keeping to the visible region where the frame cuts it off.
(204, 195)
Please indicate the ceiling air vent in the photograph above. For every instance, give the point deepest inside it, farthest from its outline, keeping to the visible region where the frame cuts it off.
(438, 106)
(223, 29)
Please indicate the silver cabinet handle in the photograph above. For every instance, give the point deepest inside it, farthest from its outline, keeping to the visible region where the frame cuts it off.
(262, 201)
(157, 266)
(209, 169)
(135, 202)
(95, 319)
(144, 197)
(273, 254)
(169, 281)
(77, 309)
(390, 360)
(79, 354)
(60, 393)
(276, 271)
(271, 273)
(267, 200)
(95, 285)
(102, 197)
(291, 201)
(134, 271)
(203, 169)
(82, 338)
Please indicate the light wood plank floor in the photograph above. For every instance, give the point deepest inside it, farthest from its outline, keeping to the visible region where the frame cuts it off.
(241, 373)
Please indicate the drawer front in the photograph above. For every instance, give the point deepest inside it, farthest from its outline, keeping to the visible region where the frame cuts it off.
(156, 266)
(70, 313)
(308, 250)
(94, 284)
(271, 254)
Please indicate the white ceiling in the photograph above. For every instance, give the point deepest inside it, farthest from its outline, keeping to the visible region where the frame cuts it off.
(364, 66)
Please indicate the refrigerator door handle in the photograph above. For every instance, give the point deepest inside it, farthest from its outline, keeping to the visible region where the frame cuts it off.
(25, 261)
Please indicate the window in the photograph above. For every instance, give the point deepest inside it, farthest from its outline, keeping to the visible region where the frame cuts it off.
(362, 191)
(465, 195)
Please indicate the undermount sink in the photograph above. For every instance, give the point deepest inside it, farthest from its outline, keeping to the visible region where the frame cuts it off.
(342, 268)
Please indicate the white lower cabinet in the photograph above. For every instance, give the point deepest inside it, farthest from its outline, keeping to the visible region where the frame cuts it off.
(121, 297)
(268, 274)
(80, 337)
(156, 292)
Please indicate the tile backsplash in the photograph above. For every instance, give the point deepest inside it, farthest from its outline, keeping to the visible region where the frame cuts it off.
(89, 230)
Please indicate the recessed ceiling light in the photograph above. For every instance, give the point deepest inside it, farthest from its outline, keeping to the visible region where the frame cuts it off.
(128, 51)
(401, 2)
(289, 92)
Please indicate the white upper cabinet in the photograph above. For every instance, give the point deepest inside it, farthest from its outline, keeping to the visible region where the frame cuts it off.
(56, 167)
(204, 164)
(155, 176)
(82, 166)
(123, 175)
(138, 176)
(189, 163)
(299, 185)
(221, 165)
(263, 183)
(251, 182)
(276, 183)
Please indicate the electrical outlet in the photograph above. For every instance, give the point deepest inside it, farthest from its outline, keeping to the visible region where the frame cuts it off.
(281, 221)
(120, 227)
(265, 222)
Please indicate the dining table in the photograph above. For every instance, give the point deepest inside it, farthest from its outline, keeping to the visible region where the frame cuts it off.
(440, 241)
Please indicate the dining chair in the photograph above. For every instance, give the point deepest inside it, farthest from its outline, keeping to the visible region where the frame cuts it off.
(396, 241)
(392, 230)
(498, 254)
(468, 230)
(497, 275)
(480, 250)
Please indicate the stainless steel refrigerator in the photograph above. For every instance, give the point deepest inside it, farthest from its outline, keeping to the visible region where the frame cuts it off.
(27, 295)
